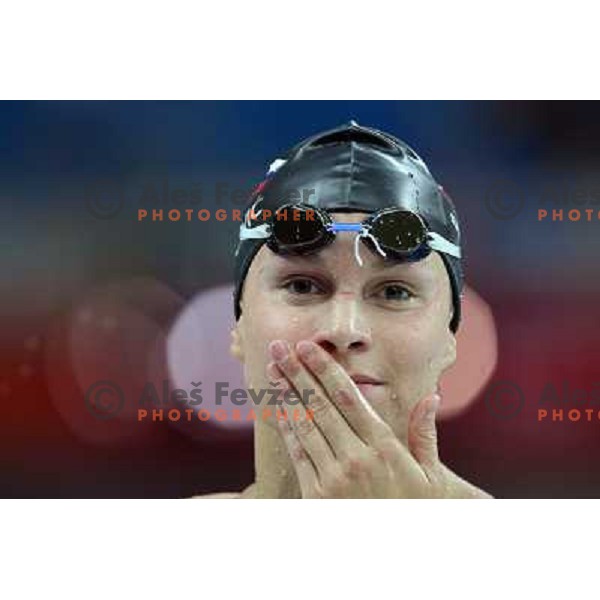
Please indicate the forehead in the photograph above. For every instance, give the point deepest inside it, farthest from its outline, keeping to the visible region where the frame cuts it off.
(348, 217)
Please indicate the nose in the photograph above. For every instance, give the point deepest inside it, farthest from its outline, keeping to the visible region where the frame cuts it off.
(344, 327)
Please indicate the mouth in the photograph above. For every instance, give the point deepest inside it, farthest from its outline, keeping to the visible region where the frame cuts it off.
(371, 388)
(361, 379)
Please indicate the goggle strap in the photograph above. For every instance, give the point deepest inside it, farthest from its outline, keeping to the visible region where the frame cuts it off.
(367, 233)
(356, 250)
(358, 227)
(441, 244)
(251, 233)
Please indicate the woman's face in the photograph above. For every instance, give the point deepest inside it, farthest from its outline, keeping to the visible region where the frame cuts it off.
(387, 321)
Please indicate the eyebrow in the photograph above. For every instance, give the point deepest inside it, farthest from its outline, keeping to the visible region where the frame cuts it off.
(316, 260)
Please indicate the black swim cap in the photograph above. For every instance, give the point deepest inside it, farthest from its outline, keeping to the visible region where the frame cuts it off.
(355, 169)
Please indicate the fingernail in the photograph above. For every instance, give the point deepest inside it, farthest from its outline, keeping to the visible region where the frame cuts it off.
(434, 404)
(305, 349)
(278, 350)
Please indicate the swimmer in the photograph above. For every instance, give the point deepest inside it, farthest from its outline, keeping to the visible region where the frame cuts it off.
(360, 304)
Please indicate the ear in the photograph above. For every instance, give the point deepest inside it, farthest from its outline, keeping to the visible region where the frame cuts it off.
(236, 348)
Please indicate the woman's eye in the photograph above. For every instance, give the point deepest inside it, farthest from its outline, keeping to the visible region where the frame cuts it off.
(301, 286)
(396, 292)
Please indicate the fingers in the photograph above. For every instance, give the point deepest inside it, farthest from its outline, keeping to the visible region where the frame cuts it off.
(303, 466)
(344, 395)
(308, 450)
(308, 435)
(422, 433)
(326, 420)
(338, 427)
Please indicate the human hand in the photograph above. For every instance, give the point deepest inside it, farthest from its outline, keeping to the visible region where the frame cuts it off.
(345, 450)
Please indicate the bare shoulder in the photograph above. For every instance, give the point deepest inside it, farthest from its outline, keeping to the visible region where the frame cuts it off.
(220, 495)
(244, 494)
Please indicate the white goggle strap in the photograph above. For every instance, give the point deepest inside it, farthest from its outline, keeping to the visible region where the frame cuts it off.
(366, 233)
(252, 233)
(441, 244)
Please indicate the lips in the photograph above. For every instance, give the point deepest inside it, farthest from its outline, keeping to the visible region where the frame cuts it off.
(371, 388)
(361, 378)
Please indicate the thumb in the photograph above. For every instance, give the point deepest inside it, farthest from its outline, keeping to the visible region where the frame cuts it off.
(422, 432)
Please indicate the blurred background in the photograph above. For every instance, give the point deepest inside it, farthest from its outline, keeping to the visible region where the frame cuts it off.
(89, 293)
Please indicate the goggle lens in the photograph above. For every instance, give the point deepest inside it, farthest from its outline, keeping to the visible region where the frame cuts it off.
(401, 232)
(299, 230)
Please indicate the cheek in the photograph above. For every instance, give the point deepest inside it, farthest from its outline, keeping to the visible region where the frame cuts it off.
(269, 323)
(407, 352)
(414, 356)
(265, 324)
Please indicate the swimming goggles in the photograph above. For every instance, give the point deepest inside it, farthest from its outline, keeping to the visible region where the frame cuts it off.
(392, 232)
